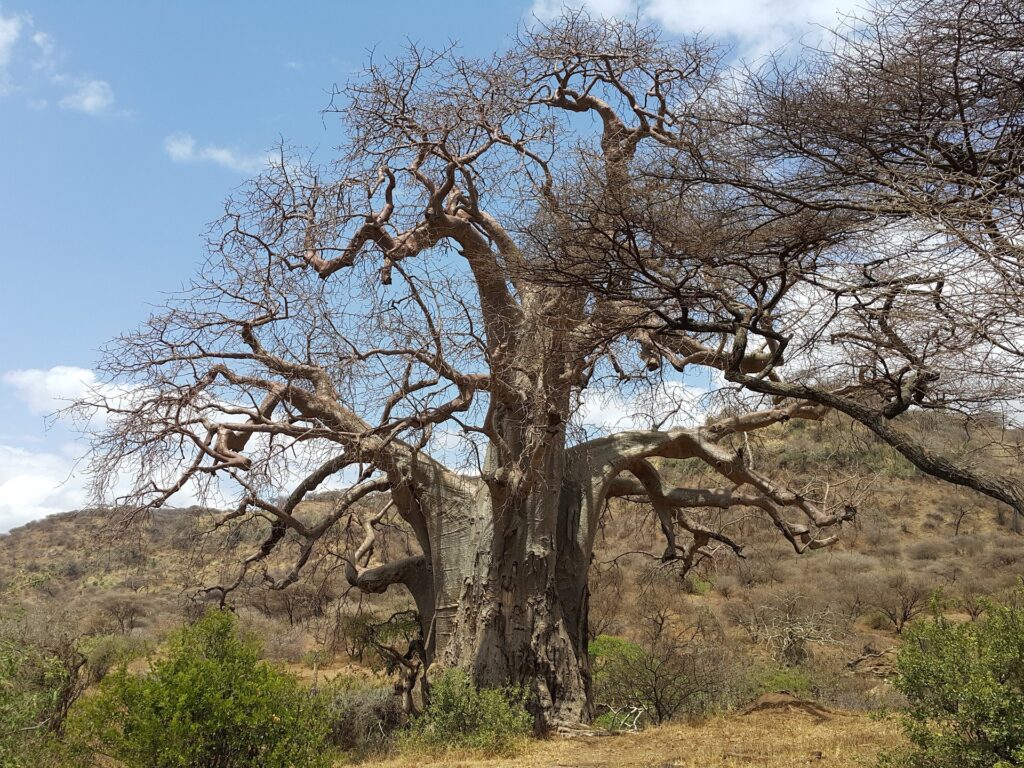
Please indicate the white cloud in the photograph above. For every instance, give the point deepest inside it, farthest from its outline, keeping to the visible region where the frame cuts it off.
(670, 404)
(10, 31)
(758, 26)
(46, 53)
(40, 474)
(46, 391)
(183, 148)
(40, 480)
(90, 96)
(33, 69)
(546, 9)
(34, 484)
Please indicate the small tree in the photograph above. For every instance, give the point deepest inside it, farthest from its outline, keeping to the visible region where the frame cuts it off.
(972, 597)
(786, 625)
(396, 644)
(209, 701)
(122, 610)
(965, 685)
(34, 688)
(675, 668)
(903, 600)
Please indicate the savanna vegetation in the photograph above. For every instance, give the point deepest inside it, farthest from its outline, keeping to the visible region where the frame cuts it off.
(798, 283)
(669, 651)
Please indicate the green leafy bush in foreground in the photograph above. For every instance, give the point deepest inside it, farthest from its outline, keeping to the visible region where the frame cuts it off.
(493, 721)
(209, 702)
(965, 685)
(31, 682)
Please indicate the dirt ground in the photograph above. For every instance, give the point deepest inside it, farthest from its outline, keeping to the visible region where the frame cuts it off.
(768, 739)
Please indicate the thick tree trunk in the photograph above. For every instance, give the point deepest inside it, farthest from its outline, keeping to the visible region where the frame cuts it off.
(509, 551)
(520, 615)
(502, 585)
(509, 576)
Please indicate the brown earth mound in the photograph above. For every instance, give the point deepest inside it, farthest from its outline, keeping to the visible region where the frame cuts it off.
(784, 701)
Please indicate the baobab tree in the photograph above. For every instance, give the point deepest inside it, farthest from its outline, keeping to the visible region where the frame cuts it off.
(422, 320)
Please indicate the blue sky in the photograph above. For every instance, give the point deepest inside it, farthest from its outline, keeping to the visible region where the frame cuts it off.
(124, 124)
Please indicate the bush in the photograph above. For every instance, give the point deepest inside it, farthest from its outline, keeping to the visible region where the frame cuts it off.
(773, 678)
(965, 685)
(614, 693)
(493, 721)
(903, 599)
(208, 701)
(106, 652)
(40, 679)
(666, 676)
(362, 720)
(930, 549)
(31, 682)
(788, 624)
(695, 585)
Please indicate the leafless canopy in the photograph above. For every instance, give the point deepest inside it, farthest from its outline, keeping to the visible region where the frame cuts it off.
(593, 210)
(846, 230)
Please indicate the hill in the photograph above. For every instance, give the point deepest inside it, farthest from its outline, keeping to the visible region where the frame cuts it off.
(822, 624)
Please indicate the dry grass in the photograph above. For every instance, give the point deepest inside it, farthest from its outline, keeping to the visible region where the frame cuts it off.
(768, 740)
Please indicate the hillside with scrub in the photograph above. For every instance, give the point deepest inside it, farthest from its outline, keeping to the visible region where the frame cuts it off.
(599, 395)
(683, 654)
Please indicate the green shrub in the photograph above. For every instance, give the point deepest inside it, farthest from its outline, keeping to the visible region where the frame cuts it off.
(316, 658)
(208, 701)
(610, 661)
(40, 678)
(695, 585)
(667, 676)
(965, 686)
(493, 721)
(31, 682)
(608, 649)
(105, 652)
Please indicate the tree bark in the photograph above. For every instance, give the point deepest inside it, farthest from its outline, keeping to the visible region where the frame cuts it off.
(520, 614)
(509, 585)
